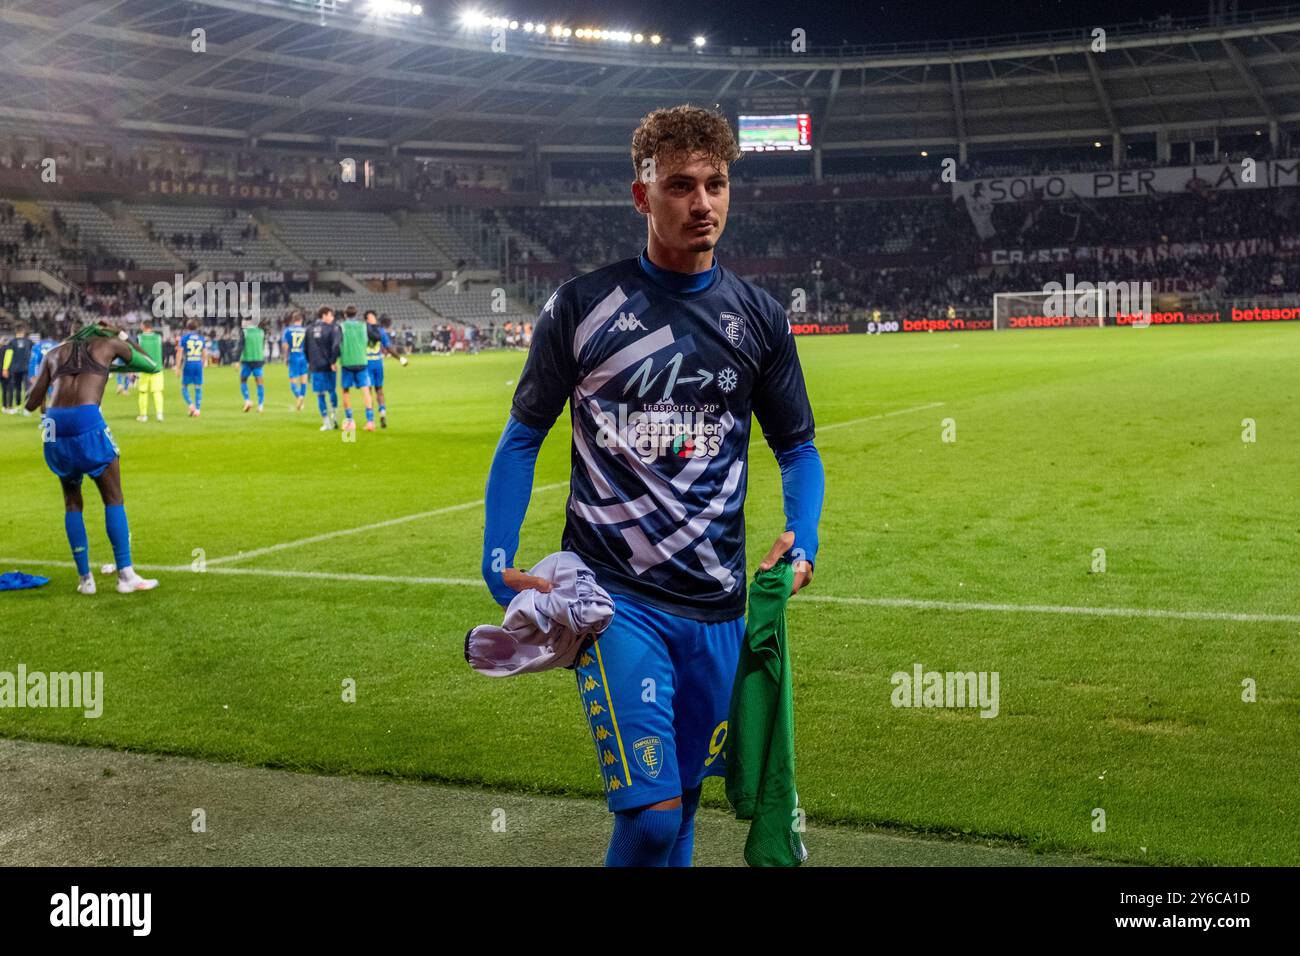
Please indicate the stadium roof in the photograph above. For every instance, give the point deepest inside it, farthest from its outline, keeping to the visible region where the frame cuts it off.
(283, 72)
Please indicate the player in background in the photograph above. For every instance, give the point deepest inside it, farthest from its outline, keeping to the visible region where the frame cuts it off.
(191, 356)
(294, 334)
(352, 356)
(150, 383)
(322, 350)
(662, 358)
(77, 441)
(39, 348)
(252, 355)
(379, 344)
(14, 358)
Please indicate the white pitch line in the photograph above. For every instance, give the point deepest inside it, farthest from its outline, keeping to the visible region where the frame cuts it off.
(872, 418)
(1059, 609)
(329, 535)
(272, 573)
(917, 604)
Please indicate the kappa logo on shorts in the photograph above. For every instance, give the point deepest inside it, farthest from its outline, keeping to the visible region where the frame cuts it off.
(649, 754)
(733, 327)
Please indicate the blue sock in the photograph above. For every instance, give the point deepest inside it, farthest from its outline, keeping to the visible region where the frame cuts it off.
(243, 388)
(334, 399)
(684, 848)
(643, 837)
(370, 414)
(320, 400)
(261, 393)
(347, 413)
(75, 525)
(198, 396)
(185, 394)
(119, 534)
(383, 409)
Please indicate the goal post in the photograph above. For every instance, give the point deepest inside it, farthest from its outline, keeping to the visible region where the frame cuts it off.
(1029, 310)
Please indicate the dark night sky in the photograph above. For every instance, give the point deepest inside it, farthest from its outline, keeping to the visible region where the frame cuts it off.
(829, 23)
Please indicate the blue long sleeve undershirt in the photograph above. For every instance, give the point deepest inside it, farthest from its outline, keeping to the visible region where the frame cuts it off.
(509, 488)
(803, 484)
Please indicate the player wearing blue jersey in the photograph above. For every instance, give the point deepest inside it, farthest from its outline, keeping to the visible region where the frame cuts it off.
(191, 353)
(662, 359)
(39, 350)
(379, 344)
(296, 358)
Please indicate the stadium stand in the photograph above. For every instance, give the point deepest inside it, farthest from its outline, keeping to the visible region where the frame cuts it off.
(27, 246)
(472, 306)
(215, 238)
(438, 230)
(122, 238)
(357, 241)
(522, 243)
(525, 222)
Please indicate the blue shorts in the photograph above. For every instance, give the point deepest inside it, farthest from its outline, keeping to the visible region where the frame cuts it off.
(324, 382)
(192, 374)
(355, 378)
(297, 366)
(376, 370)
(77, 442)
(651, 749)
(250, 368)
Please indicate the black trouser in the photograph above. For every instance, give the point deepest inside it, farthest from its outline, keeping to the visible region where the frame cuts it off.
(13, 388)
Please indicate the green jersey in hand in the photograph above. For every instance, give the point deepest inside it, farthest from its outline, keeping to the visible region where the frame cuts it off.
(760, 728)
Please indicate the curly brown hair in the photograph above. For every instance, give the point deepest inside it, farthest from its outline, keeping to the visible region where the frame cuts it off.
(675, 132)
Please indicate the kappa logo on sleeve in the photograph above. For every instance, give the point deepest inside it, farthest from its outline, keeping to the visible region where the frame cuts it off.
(733, 327)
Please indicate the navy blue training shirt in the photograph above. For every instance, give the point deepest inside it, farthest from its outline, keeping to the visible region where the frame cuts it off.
(661, 371)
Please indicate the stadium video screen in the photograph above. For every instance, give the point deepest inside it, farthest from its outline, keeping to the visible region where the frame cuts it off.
(787, 133)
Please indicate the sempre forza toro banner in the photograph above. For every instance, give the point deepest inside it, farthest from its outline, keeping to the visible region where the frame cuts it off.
(1110, 184)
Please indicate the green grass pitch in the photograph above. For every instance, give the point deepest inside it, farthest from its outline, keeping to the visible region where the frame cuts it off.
(1067, 441)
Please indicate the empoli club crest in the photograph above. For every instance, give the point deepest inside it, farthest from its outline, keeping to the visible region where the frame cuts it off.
(649, 754)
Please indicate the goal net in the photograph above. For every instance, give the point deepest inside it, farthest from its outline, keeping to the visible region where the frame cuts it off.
(1034, 310)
